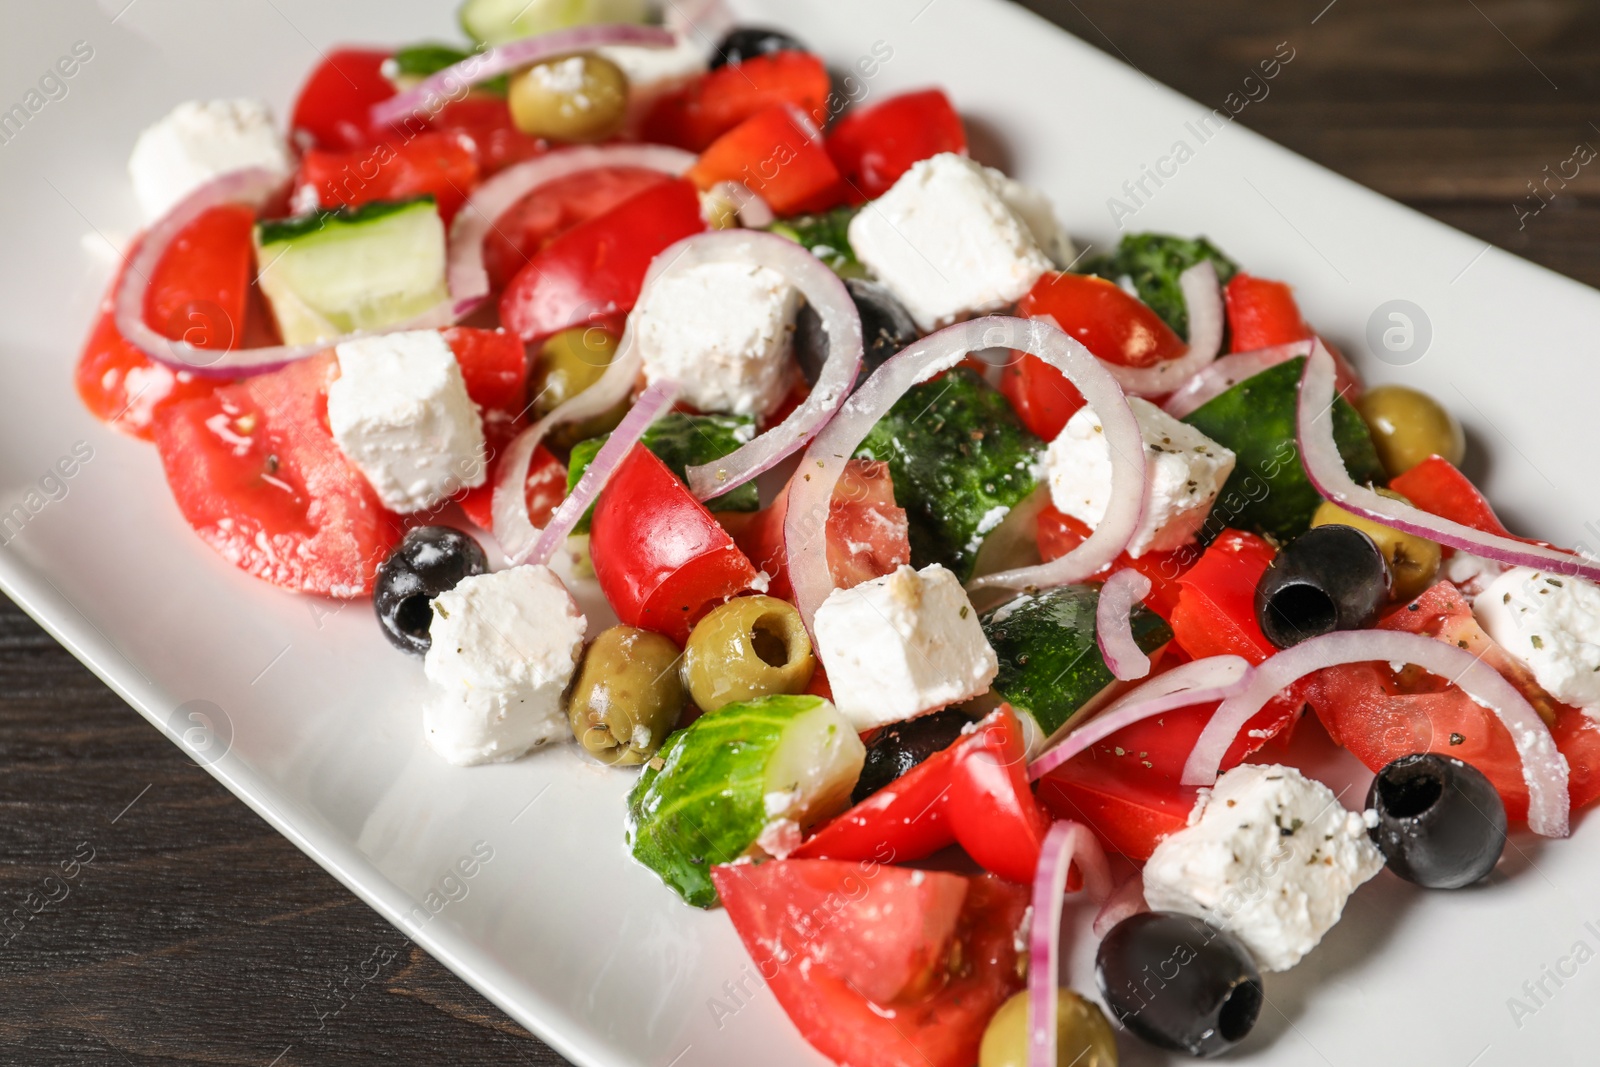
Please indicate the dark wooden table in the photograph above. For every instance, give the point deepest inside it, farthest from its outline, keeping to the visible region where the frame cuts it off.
(196, 935)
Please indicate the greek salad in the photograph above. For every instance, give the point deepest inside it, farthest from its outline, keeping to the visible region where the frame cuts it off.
(954, 568)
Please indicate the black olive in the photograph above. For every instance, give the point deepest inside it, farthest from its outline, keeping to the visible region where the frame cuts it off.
(1329, 578)
(900, 747)
(1440, 823)
(747, 42)
(428, 561)
(886, 327)
(1179, 983)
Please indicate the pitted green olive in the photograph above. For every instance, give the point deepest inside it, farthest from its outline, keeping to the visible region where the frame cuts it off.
(1083, 1036)
(752, 646)
(1408, 427)
(628, 695)
(570, 362)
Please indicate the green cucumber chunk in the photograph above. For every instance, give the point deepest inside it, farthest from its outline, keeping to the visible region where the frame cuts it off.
(826, 236)
(1154, 261)
(681, 441)
(719, 784)
(962, 462)
(1050, 661)
(415, 62)
(1268, 491)
(498, 21)
(335, 272)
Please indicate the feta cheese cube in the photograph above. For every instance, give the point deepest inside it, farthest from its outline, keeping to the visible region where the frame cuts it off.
(901, 645)
(199, 141)
(1552, 623)
(400, 410)
(1184, 472)
(948, 240)
(505, 646)
(1269, 855)
(1037, 212)
(724, 331)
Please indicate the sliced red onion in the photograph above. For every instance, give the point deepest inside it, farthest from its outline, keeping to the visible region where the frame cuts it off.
(1202, 296)
(1228, 372)
(1126, 900)
(469, 279)
(809, 496)
(1198, 682)
(1325, 467)
(429, 95)
(710, 20)
(1544, 768)
(651, 403)
(1113, 630)
(827, 296)
(753, 211)
(1066, 844)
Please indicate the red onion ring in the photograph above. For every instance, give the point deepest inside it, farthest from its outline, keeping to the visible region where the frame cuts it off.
(651, 403)
(1325, 467)
(1126, 900)
(1113, 629)
(1198, 682)
(1228, 372)
(1544, 768)
(1202, 296)
(810, 495)
(753, 211)
(827, 296)
(429, 95)
(469, 279)
(1066, 843)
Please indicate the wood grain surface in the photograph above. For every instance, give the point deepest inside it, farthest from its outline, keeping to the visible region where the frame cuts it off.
(168, 925)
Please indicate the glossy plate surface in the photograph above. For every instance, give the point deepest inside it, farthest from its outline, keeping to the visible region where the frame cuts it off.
(516, 876)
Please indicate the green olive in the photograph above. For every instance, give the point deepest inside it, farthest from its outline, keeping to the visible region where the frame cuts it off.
(628, 695)
(570, 362)
(1083, 1036)
(1413, 561)
(1408, 427)
(752, 646)
(580, 97)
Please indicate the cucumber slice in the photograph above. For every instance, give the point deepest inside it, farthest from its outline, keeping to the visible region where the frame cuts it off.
(826, 236)
(1154, 261)
(498, 21)
(751, 772)
(1268, 491)
(681, 441)
(334, 272)
(1050, 662)
(962, 462)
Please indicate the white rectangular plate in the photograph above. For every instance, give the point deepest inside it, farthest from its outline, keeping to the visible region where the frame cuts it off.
(557, 926)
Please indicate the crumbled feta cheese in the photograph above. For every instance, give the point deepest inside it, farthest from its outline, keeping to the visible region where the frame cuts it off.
(1184, 472)
(1270, 856)
(948, 240)
(400, 410)
(901, 645)
(1470, 574)
(722, 330)
(1552, 623)
(505, 646)
(198, 141)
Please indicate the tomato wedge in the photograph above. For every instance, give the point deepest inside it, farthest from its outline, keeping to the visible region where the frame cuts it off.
(879, 966)
(711, 105)
(1216, 610)
(661, 559)
(596, 269)
(440, 165)
(484, 120)
(1435, 486)
(775, 153)
(257, 473)
(874, 145)
(1262, 313)
(975, 793)
(1060, 533)
(334, 107)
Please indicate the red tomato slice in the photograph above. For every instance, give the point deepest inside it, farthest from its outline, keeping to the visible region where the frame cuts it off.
(552, 209)
(874, 145)
(441, 165)
(867, 533)
(494, 140)
(1439, 489)
(258, 475)
(1380, 715)
(1216, 611)
(544, 490)
(1262, 313)
(661, 559)
(823, 934)
(1060, 533)
(705, 109)
(334, 105)
(975, 793)
(495, 366)
(596, 269)
(1041, 395)
(777, 154)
